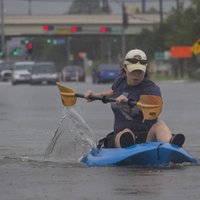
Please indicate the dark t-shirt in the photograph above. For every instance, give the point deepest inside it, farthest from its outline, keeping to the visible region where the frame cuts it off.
(124, 116)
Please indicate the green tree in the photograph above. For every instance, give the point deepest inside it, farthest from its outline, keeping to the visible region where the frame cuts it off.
(181, 28)
(90, 7)
(152, 41)
(184, 29)
(184, 25)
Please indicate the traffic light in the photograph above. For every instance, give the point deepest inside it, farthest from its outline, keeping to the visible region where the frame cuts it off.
(124, 16)
(16, 52)
(75, 29)
(26, 41)
(1, 54)
(105, 29)
(30, 47)
(48, 27)
(49, 41)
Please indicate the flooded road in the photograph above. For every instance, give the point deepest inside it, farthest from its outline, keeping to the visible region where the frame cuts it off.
(29, 116)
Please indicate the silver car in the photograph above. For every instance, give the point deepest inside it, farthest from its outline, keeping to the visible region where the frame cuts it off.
(43, 73)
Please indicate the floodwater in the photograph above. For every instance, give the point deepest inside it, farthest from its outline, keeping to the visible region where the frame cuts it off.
(29, 118)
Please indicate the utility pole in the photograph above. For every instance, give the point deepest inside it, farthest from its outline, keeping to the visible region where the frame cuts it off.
(124, 26)
(143, 6)
(68, 46)
(123, 42)
(3, 49)
(177, 5)
(29, 7)
(161, 11)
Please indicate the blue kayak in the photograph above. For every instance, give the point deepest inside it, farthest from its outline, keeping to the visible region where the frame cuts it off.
(144, 154)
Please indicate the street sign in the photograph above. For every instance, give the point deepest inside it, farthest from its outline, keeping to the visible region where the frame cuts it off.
(59, 41)
(116, 30)
(63, 32)
(196, 47)
(181, 52)
(160, 56)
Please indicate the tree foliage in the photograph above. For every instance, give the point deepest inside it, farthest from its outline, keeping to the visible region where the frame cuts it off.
(90, 7)
(181, 28)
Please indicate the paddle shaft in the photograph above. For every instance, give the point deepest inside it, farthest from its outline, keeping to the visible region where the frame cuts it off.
(105, 99)
(91, 97)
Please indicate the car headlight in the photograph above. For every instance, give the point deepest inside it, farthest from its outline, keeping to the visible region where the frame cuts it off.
(15, 75)
(54, 76)
(34, 76)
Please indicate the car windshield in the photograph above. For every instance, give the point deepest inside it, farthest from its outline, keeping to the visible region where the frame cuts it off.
(43, 68)
(5, 66)
(109, 66)
(23, 66)
(73, 68)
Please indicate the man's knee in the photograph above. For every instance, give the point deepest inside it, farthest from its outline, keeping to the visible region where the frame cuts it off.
(158, 126)
(124, 138)
(160, 123)
(159, 132)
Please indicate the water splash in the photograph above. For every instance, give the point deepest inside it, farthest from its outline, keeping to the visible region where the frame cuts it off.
(72, 138)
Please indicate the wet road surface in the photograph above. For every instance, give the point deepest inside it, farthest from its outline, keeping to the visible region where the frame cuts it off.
(29, 116)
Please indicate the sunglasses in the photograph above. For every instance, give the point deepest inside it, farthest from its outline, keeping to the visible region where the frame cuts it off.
(134, 61)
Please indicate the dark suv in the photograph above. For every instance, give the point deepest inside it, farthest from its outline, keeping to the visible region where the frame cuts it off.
(105, 73)
(73, 73)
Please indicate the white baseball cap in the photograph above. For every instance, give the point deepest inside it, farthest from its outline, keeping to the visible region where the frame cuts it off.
(136, 59)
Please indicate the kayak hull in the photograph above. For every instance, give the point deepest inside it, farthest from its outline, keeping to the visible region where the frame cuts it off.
(144, 154)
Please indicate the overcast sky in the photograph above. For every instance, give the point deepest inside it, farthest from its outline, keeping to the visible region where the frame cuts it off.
(62, 6)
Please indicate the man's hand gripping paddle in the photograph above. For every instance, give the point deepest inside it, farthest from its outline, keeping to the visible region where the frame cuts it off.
(150, 105)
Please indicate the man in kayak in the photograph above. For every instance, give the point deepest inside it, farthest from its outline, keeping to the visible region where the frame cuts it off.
(129, 124)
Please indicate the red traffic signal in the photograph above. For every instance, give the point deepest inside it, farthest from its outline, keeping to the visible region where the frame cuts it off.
(76, 29)
(73, 28)
(48, 27)
(45, 28)
(105, 29)
(29, 45)
(29, 48)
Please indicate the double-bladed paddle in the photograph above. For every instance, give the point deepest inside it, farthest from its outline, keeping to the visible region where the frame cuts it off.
(150, 105)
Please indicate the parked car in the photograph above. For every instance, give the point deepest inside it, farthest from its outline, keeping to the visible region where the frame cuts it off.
(21, 72)
(73, 73)
(105, 73)
(6, 71)
(43, 73)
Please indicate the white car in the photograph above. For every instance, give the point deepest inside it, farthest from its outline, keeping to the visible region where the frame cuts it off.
(22, 72)
(5, 71)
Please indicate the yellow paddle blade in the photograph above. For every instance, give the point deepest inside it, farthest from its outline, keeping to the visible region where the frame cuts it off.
(68, 96)
(150, 105)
